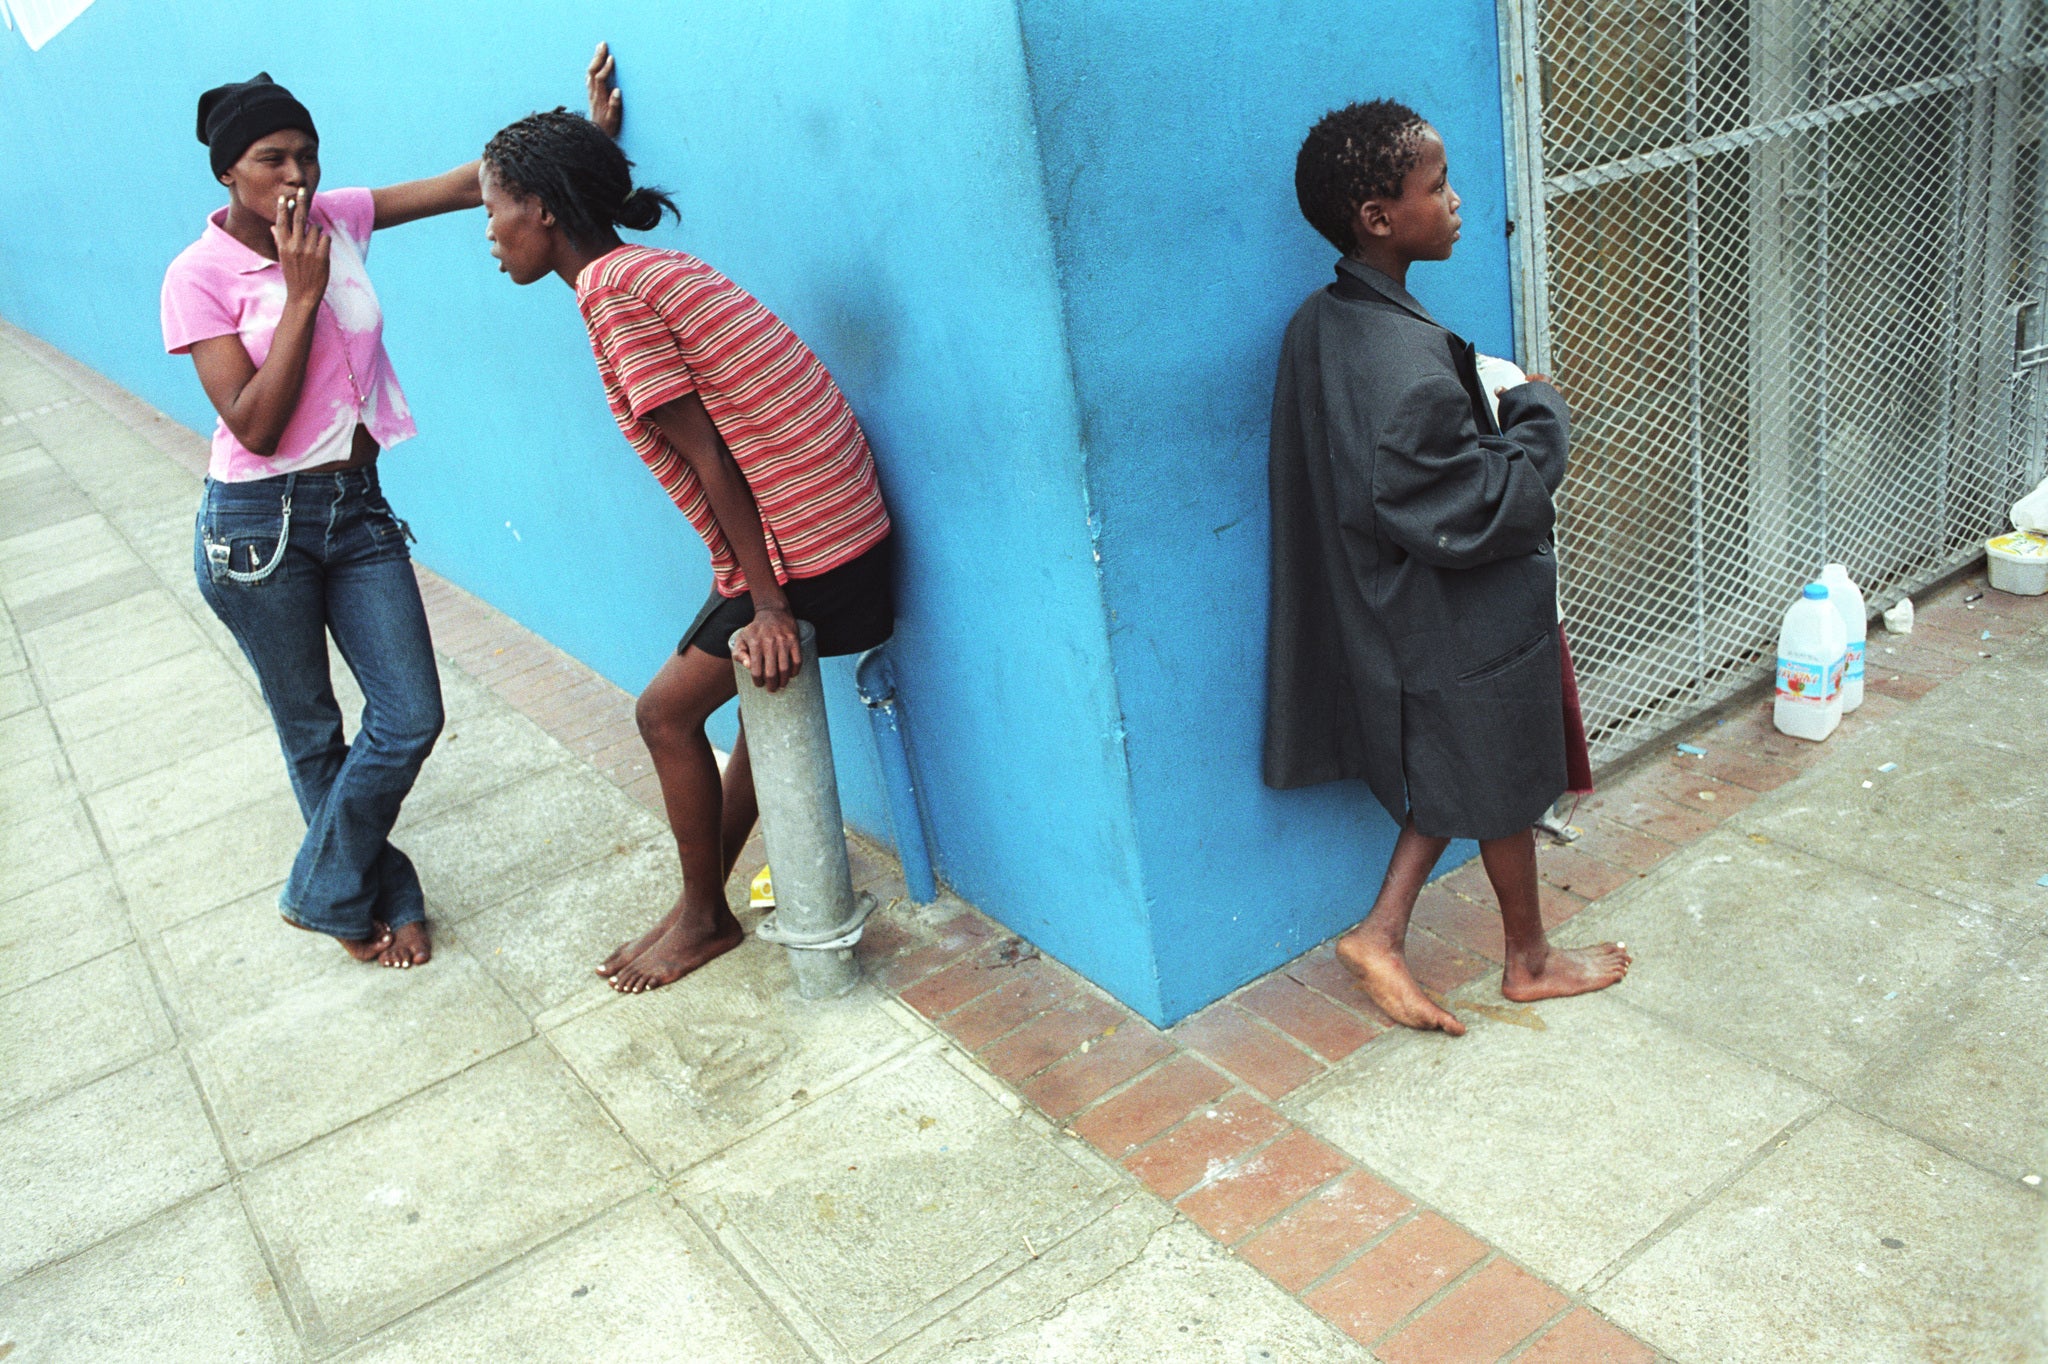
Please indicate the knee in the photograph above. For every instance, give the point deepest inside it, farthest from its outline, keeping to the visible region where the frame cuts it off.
(408, 734)
(665, 723)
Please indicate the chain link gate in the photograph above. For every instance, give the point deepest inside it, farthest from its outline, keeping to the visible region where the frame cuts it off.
(1786, 259)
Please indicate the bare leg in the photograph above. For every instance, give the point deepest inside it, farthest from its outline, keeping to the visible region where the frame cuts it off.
(1535, 969)
(700, 926)
(1375, 951)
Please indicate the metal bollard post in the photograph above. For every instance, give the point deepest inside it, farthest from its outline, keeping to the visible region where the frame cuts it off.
(816, 914)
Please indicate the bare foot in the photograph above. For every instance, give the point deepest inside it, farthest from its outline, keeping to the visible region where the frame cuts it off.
(1384, 973)
(362, 949)
(678, 952)
(408, 946)
(626, 951)
(1565, 971)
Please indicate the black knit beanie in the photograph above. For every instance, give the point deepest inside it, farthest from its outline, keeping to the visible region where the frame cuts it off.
(233, 116)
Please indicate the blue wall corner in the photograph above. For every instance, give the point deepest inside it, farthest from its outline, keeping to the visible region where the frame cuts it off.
(1169, 133)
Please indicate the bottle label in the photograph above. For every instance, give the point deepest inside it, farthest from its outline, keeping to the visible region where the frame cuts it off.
(1801, 680)
(1855, 661)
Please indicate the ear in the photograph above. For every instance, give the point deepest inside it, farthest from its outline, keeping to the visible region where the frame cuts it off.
(1372, 220)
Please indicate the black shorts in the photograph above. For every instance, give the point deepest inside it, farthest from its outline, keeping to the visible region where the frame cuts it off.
(852, 607)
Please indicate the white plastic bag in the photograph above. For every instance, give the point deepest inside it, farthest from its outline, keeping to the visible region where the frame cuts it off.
(1496, 373)
(2031, 511)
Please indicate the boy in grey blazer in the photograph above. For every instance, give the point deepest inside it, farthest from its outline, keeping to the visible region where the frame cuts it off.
(1413, 638)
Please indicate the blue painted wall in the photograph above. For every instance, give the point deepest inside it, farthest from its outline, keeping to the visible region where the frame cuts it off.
(1169, 131)
(1046, 246)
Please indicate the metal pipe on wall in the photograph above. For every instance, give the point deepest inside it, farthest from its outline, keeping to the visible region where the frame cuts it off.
(817, 916)
(875, 677)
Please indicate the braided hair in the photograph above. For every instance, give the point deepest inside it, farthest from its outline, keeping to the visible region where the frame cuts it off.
(578, 174)
(1360, 152)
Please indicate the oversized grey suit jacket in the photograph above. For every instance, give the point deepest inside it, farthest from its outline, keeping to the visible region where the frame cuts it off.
(1413, 635)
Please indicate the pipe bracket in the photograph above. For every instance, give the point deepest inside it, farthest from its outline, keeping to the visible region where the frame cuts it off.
(846, 935)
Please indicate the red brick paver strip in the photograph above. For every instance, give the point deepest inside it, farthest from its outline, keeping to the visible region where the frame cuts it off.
(1066, 1088)
(1310, 1019)
(1229, 1203)
(1587, 1338)
(1169, 1094)
(1071, 1024)
(1482, 1319)
(1260, 1056)
(1418, 1260)
(1211, 1139)
(1302, 1246)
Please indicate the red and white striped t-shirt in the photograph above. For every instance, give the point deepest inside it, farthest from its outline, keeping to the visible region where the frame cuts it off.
(663, 324)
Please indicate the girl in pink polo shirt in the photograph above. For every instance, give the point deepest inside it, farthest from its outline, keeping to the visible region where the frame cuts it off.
(295, 541)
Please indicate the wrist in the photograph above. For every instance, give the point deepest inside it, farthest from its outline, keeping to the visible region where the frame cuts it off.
(773, 608)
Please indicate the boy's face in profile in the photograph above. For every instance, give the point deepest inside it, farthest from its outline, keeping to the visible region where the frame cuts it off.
(1423, 223)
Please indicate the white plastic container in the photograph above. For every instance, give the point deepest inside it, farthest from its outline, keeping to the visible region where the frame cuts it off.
(1813, 652)
(2019, 563)
(1847, 599)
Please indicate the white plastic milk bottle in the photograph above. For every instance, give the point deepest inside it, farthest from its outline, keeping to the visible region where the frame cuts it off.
(1847, 599)
(1812, 655)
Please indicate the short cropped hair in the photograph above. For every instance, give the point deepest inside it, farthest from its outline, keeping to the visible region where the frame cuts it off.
(1360, 152)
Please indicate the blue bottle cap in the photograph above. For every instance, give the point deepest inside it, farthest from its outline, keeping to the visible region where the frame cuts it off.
(1816, 591)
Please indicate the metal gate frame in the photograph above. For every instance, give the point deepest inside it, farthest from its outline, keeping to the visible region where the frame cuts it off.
(1729, 654)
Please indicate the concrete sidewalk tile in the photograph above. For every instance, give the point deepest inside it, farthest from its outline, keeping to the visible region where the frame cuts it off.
(1977, 1083)
(35, 786)
(272, 1076)
(1259, 1055)
(477, 855)
(1178, 1300)
(388, 1214)
(639, 1285)
(130, 635)
(1802, 964)
(186, 1287)
(25, 735)
(1071, 1023)
(187, 680)
(18, 693)
(1631, 1116)
(86, 539)
(1302, 1246)
(223, 860)
(47, 848)
(1418, 1260)
(1481, 1320)
(1900, 686)
(1066, 1087)
(75, 1026)
(62, 1193)
(689, 1072)
(1307, 1017)
(485, 751)
(56, 928)
(869, 1212)
(544, 944)
(1234, 1200)
(1851, 1241)
(1154, 1103)
(91, 594)
(156, 736)
(1585, 1337)
(190, 792)
(1986, 847)
(2002, 704)
(1211, 1138)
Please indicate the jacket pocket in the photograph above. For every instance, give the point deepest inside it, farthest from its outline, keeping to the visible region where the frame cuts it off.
(1495, 666)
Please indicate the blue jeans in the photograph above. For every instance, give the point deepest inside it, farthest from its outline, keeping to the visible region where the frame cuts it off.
(283, 562)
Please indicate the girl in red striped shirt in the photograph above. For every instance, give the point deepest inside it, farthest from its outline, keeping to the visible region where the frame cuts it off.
(749, 436)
